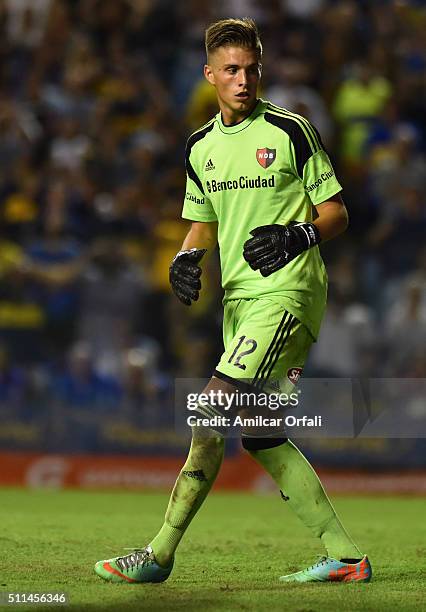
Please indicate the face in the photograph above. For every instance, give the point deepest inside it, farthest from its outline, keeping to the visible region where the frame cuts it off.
(235, 73)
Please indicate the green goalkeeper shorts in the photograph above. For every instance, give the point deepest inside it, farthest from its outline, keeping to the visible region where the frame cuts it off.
(265, 346)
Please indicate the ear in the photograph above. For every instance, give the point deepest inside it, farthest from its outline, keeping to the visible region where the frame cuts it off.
(208, 73)
(260, 70)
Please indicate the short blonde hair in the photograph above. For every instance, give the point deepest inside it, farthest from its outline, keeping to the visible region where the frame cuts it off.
(236, 32)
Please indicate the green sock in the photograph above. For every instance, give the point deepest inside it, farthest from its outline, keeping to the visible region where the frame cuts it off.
(191, 488)
(302, 490)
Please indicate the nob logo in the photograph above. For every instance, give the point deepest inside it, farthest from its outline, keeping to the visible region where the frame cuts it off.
(266, 156)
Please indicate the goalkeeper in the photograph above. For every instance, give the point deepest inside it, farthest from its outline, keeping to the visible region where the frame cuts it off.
(260, 184)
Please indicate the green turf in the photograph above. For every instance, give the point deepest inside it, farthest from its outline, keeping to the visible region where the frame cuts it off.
(230, 559)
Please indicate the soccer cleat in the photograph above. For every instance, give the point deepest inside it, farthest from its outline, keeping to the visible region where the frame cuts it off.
(138, 566)
(332, 570)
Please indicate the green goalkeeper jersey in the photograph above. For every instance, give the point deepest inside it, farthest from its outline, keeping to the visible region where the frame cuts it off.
(270, 168)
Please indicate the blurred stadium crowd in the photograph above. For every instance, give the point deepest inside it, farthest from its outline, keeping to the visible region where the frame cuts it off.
(97, 98)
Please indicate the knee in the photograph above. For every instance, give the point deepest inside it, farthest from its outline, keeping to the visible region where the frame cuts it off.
(207, 440)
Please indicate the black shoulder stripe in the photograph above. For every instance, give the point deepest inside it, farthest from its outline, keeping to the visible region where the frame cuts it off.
(317, 134)
(317, 142)
(297, 136)
(191, 142)
(308, 128)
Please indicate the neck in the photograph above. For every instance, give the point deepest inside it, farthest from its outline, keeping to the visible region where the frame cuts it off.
(231, 117)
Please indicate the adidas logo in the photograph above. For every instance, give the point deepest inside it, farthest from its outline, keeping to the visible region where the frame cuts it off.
(209, 166)
(197, 474)
(275, 385)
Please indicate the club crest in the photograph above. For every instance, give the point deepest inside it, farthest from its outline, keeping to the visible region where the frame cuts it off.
(265, 156)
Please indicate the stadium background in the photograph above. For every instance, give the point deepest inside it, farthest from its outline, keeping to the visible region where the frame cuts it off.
(97, 99)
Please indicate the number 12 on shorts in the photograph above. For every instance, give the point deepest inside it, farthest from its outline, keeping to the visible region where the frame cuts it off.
(242, 343)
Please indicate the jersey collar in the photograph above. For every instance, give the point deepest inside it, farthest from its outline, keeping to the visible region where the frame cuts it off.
(238, 127)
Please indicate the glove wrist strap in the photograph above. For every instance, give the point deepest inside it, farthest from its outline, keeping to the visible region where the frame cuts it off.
(311, 232)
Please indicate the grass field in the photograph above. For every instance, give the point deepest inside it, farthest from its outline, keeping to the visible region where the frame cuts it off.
(230, 559)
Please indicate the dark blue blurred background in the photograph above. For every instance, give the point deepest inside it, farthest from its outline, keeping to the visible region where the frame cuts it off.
(97, 98)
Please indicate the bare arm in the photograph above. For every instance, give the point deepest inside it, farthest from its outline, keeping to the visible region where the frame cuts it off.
(201, 236)
(332, 218)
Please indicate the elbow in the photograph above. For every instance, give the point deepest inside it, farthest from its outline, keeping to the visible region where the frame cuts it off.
(341, 220)
(345, 220)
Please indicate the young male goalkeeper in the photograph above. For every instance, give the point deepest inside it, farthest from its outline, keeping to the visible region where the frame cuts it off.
(255, 175)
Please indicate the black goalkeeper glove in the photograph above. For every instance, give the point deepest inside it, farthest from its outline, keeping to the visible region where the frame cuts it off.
(274, 246)
(184, 275)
